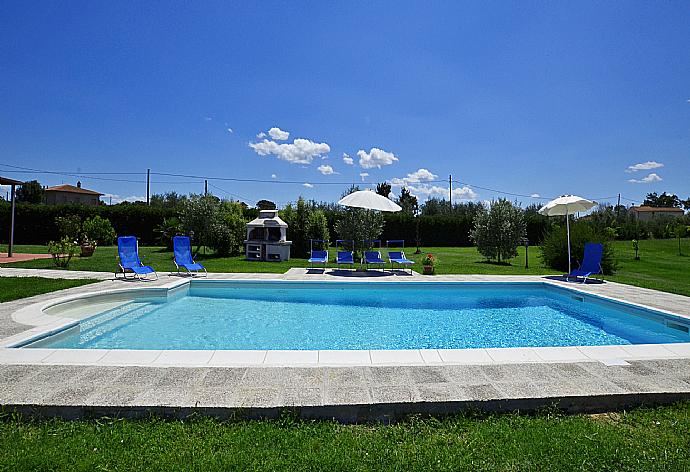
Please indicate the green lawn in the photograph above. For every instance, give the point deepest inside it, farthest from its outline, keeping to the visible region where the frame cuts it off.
(640, 440)
(660, 266)
(14, 288)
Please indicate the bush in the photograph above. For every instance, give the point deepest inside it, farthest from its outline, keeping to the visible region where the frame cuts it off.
(99, 230)
(69, 227)
(169, 228)
(228, 233)
(499, 230)
(554, 250)
(63, 251)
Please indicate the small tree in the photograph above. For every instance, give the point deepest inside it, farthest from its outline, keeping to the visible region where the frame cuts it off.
(199, 214)
(358, 224)
(99, 230)
(407, 202)
(30, 192)
(499, 230)
(305, 222)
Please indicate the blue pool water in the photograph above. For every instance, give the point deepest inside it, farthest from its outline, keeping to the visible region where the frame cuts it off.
(368, 316)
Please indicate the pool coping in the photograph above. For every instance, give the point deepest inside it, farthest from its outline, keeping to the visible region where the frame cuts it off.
(44, 325)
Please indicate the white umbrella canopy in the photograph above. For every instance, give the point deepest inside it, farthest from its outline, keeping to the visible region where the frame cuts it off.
(565, 206)
(370, 200)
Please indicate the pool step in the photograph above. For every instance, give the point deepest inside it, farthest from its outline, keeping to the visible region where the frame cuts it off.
(112, 320)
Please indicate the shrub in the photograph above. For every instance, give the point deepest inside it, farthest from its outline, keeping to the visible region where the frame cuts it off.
(554, 250)
(69, 227)
(63, 251)
(169, 228)
(99, 230)
(499, 230)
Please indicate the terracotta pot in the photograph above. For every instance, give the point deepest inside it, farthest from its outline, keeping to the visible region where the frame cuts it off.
(87, 250)
(428, 270)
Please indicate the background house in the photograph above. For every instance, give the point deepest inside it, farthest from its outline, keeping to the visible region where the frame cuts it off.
(646, 213)
(69, 194)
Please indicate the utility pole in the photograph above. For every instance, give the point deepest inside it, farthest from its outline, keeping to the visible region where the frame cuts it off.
(450, 191)
(618, 207)
(205, 188)
(148, 186)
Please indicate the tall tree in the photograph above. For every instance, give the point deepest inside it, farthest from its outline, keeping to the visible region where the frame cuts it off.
(384, 189)
(30, 192)
(407, 201)
(664, 200)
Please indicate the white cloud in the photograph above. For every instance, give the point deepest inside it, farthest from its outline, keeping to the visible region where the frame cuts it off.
(347, 159)
(375, 158)
(261, 135)
(118, 199)
(278, 134)
(230, 130)
(425, 191)
(307, 184)
(420, 175)
(208, 118)
(301, 151)
(273, 176)
(647, 180)
(363, 175)
(649, 165)
(326, 169)
(535, 195)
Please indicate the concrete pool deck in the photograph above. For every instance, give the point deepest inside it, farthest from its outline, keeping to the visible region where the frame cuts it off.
(347, 385)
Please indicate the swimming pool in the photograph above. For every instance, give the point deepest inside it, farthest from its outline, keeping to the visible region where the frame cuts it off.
(207, 315)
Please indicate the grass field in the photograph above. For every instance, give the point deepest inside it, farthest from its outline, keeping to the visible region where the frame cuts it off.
(660, 267)
(640, 440)
(14, 288)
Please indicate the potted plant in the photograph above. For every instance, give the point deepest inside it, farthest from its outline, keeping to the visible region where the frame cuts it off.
(429, 264)
(87, 246)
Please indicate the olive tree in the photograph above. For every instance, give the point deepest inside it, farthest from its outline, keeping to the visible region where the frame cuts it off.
(358, 224)
(499, 230)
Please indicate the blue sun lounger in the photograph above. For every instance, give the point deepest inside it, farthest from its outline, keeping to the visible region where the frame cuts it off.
(128, 255)
(344, 257)
(398, 257)
(591, 263)
(318, 257)
(374, 258)
(182, 252)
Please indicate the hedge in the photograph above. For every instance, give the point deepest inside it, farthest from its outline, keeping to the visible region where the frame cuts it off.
(35, 224)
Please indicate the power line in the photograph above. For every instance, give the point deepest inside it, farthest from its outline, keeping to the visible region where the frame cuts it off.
(239, 197)
(201, 178)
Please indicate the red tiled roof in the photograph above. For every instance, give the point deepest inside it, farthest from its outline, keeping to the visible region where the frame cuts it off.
(650, 209)
(71, 189)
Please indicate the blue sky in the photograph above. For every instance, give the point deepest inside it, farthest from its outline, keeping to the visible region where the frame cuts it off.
(527, 97)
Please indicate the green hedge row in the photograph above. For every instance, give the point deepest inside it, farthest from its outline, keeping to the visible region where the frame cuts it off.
(35, 224)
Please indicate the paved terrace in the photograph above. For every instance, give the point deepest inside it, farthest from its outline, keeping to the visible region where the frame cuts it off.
(178, 383)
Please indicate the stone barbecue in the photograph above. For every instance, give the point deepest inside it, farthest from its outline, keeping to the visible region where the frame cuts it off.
(267, 238)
